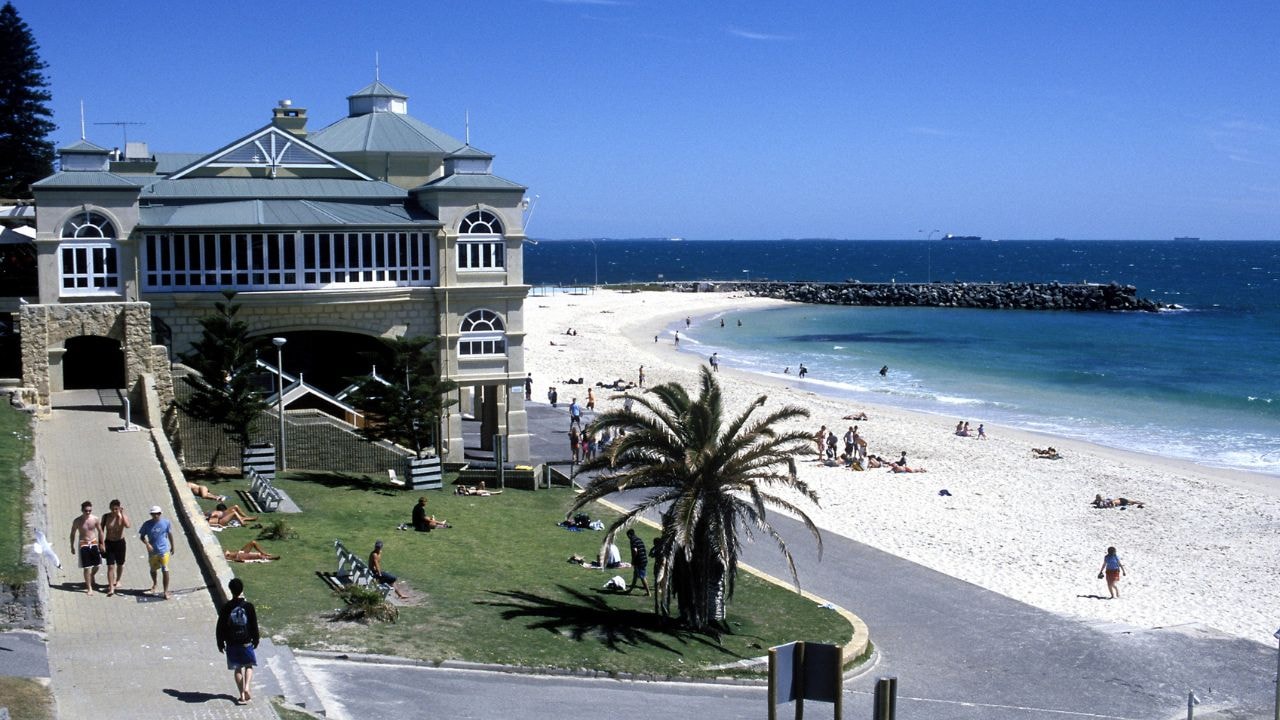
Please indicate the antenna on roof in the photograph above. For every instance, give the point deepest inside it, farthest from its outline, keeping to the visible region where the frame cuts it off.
(81, 119)
(122, 124)
(377, 67)
(467, 121)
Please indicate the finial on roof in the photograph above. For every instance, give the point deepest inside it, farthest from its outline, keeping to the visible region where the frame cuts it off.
(467, 120)
(377, 67)
(82, 119)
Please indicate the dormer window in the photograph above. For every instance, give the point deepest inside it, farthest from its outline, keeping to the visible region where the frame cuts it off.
(480, 243)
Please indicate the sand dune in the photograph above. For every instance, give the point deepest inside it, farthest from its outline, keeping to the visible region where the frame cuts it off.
(1203, 550)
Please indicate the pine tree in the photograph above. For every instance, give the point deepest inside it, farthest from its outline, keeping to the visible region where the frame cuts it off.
(407, 404)
(225, 360)
(26, 154)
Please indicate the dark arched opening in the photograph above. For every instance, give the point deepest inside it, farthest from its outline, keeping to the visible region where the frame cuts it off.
(328, 359)
(92, 362)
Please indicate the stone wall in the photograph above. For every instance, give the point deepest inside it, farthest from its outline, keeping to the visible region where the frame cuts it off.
(46, 328)
(995, 296)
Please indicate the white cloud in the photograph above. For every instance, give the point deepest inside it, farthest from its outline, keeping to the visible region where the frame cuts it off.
(753, 35)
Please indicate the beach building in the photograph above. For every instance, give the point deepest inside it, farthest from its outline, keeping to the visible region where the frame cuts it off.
(375, 226)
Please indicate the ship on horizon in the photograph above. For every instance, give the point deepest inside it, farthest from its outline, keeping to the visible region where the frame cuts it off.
(1186, 238)
(961, 238)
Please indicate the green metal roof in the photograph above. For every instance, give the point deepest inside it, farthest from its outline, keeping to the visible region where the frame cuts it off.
(383, 132)
(85, 147)
(92, 179)
(378, 89)
(170, 163)
(251, 188)
(294, 214)
(464, 181)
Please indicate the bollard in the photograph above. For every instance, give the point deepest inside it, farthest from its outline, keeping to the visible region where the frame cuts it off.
(885, 699)
(128, 416)
(1192, 702)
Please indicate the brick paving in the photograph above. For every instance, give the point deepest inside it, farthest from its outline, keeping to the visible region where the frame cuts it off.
(132, 655)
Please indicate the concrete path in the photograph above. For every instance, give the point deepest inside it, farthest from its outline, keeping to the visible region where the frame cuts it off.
(135, 654)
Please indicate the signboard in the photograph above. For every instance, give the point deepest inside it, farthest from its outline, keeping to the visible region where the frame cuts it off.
(800, 671)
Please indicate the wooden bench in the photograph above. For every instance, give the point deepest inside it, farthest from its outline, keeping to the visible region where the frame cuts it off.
(354, 571)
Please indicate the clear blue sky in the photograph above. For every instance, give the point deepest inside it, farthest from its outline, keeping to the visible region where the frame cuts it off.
(744, 119)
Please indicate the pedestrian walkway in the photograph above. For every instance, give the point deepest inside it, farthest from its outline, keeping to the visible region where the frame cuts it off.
(135, 654)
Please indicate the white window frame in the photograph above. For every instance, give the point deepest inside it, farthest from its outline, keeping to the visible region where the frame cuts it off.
(486, 253)
(482, 334)
(95, 268)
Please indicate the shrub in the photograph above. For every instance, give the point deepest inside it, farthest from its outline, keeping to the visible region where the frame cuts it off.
(366, 604)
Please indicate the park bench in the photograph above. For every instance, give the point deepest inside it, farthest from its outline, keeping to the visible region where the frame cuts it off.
(264, 496)
(353, 571)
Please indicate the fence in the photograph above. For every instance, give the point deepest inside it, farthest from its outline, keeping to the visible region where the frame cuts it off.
(314, 441)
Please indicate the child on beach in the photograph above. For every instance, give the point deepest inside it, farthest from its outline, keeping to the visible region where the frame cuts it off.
(1112, 569)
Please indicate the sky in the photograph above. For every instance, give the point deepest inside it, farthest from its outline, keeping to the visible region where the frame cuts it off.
(748, 120)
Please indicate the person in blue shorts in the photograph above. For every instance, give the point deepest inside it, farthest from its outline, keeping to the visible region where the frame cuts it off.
(237, 635)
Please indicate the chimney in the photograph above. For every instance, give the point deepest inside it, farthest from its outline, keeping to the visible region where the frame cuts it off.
(289, 118)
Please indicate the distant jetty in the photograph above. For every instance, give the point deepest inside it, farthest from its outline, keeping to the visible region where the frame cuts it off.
(1089, 297)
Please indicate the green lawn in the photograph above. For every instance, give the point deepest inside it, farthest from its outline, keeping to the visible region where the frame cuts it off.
(15, 451)
(494, 588)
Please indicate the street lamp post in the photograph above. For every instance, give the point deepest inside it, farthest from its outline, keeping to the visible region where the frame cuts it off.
(595, 262)
(279, 343)
(1276, 635)
(928, 244)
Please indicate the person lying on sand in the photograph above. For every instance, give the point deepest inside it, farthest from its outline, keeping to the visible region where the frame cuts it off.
(1049, 453)
(202, 491)
(856, 416)
(1120, 502)
(875, 461)
(223, 516)
(901, 466)
(251, 552)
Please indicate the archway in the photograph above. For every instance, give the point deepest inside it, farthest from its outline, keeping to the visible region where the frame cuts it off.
(327, 358)
(93, 362)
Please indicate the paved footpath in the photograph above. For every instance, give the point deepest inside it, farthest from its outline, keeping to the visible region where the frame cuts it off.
(135, 654)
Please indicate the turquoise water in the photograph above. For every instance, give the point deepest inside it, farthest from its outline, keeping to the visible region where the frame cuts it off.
(1201, 383)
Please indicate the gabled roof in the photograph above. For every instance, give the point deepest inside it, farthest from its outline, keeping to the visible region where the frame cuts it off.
(465, 181)
(384, 132)
(279, 213)
(468, 152)
(377, 89)
(92, 179)
(84, 147)
(224, 188)
(271, 148)
(169, 163)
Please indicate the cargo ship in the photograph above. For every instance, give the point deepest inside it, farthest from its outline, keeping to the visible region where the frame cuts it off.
(1186, 239)
(961, 238)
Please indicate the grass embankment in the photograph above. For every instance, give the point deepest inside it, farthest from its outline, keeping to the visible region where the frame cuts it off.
(496, 587)
(26, 699)
(15, 451)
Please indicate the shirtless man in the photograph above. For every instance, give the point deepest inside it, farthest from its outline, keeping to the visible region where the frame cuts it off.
(89, 545)
(114, 524)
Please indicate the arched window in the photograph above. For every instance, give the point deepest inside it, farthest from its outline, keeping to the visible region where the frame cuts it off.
(480, 222)
(480, 243)
(87, 257)
(482, 333)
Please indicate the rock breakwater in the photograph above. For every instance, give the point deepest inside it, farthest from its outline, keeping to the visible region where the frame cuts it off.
(995, 296)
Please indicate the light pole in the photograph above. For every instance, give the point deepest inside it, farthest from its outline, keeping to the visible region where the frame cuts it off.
(1276, 635)
(928, 244)
(279, 343)
(595, 261)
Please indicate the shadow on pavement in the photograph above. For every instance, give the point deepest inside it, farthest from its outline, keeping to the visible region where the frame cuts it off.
(585, 617)
(195, 696)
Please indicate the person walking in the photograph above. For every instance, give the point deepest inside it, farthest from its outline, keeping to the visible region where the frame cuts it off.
(114, 524)
(88, 546)
(157, 536)
(655, 339)
(715, 362)
(575, 413)
(552, 396)
(237, 635)
(1112, 569)
(375, 564)
(591, 400)
(528, 385)
(639, 560)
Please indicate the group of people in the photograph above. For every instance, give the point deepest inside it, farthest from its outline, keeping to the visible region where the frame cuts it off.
(962, 429)
(611, 559)
(584, 445)
(97, 539)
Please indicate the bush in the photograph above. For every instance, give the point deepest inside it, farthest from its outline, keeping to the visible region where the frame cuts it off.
(366, 604)
(278, 530)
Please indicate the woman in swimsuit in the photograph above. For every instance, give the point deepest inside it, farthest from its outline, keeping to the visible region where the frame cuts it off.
(222, 516)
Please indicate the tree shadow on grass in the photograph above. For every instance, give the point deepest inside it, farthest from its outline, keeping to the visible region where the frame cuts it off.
(583, 617)
(343, 480)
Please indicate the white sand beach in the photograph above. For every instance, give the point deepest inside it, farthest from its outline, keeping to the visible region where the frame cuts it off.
(1203, 550)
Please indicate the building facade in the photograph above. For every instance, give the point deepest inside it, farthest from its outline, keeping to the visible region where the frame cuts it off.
(376, 226)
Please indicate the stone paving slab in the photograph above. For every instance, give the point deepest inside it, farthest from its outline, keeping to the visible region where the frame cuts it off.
(135, 654)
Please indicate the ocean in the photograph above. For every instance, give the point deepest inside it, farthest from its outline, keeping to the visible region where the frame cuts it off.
(1201, 383)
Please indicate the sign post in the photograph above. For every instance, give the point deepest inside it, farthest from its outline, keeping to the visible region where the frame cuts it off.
(800, 671)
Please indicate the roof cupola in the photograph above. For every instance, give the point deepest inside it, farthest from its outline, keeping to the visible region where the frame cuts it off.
(377, 97)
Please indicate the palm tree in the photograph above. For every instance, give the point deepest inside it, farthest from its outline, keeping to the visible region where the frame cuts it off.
(712, 482)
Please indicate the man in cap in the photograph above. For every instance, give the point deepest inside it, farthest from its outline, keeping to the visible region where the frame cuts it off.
(157, 535)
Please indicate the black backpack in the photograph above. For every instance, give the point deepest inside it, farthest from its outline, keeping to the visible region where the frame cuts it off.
(238, 625)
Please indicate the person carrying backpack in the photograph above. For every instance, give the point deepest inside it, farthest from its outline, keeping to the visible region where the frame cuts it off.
(237, 635)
